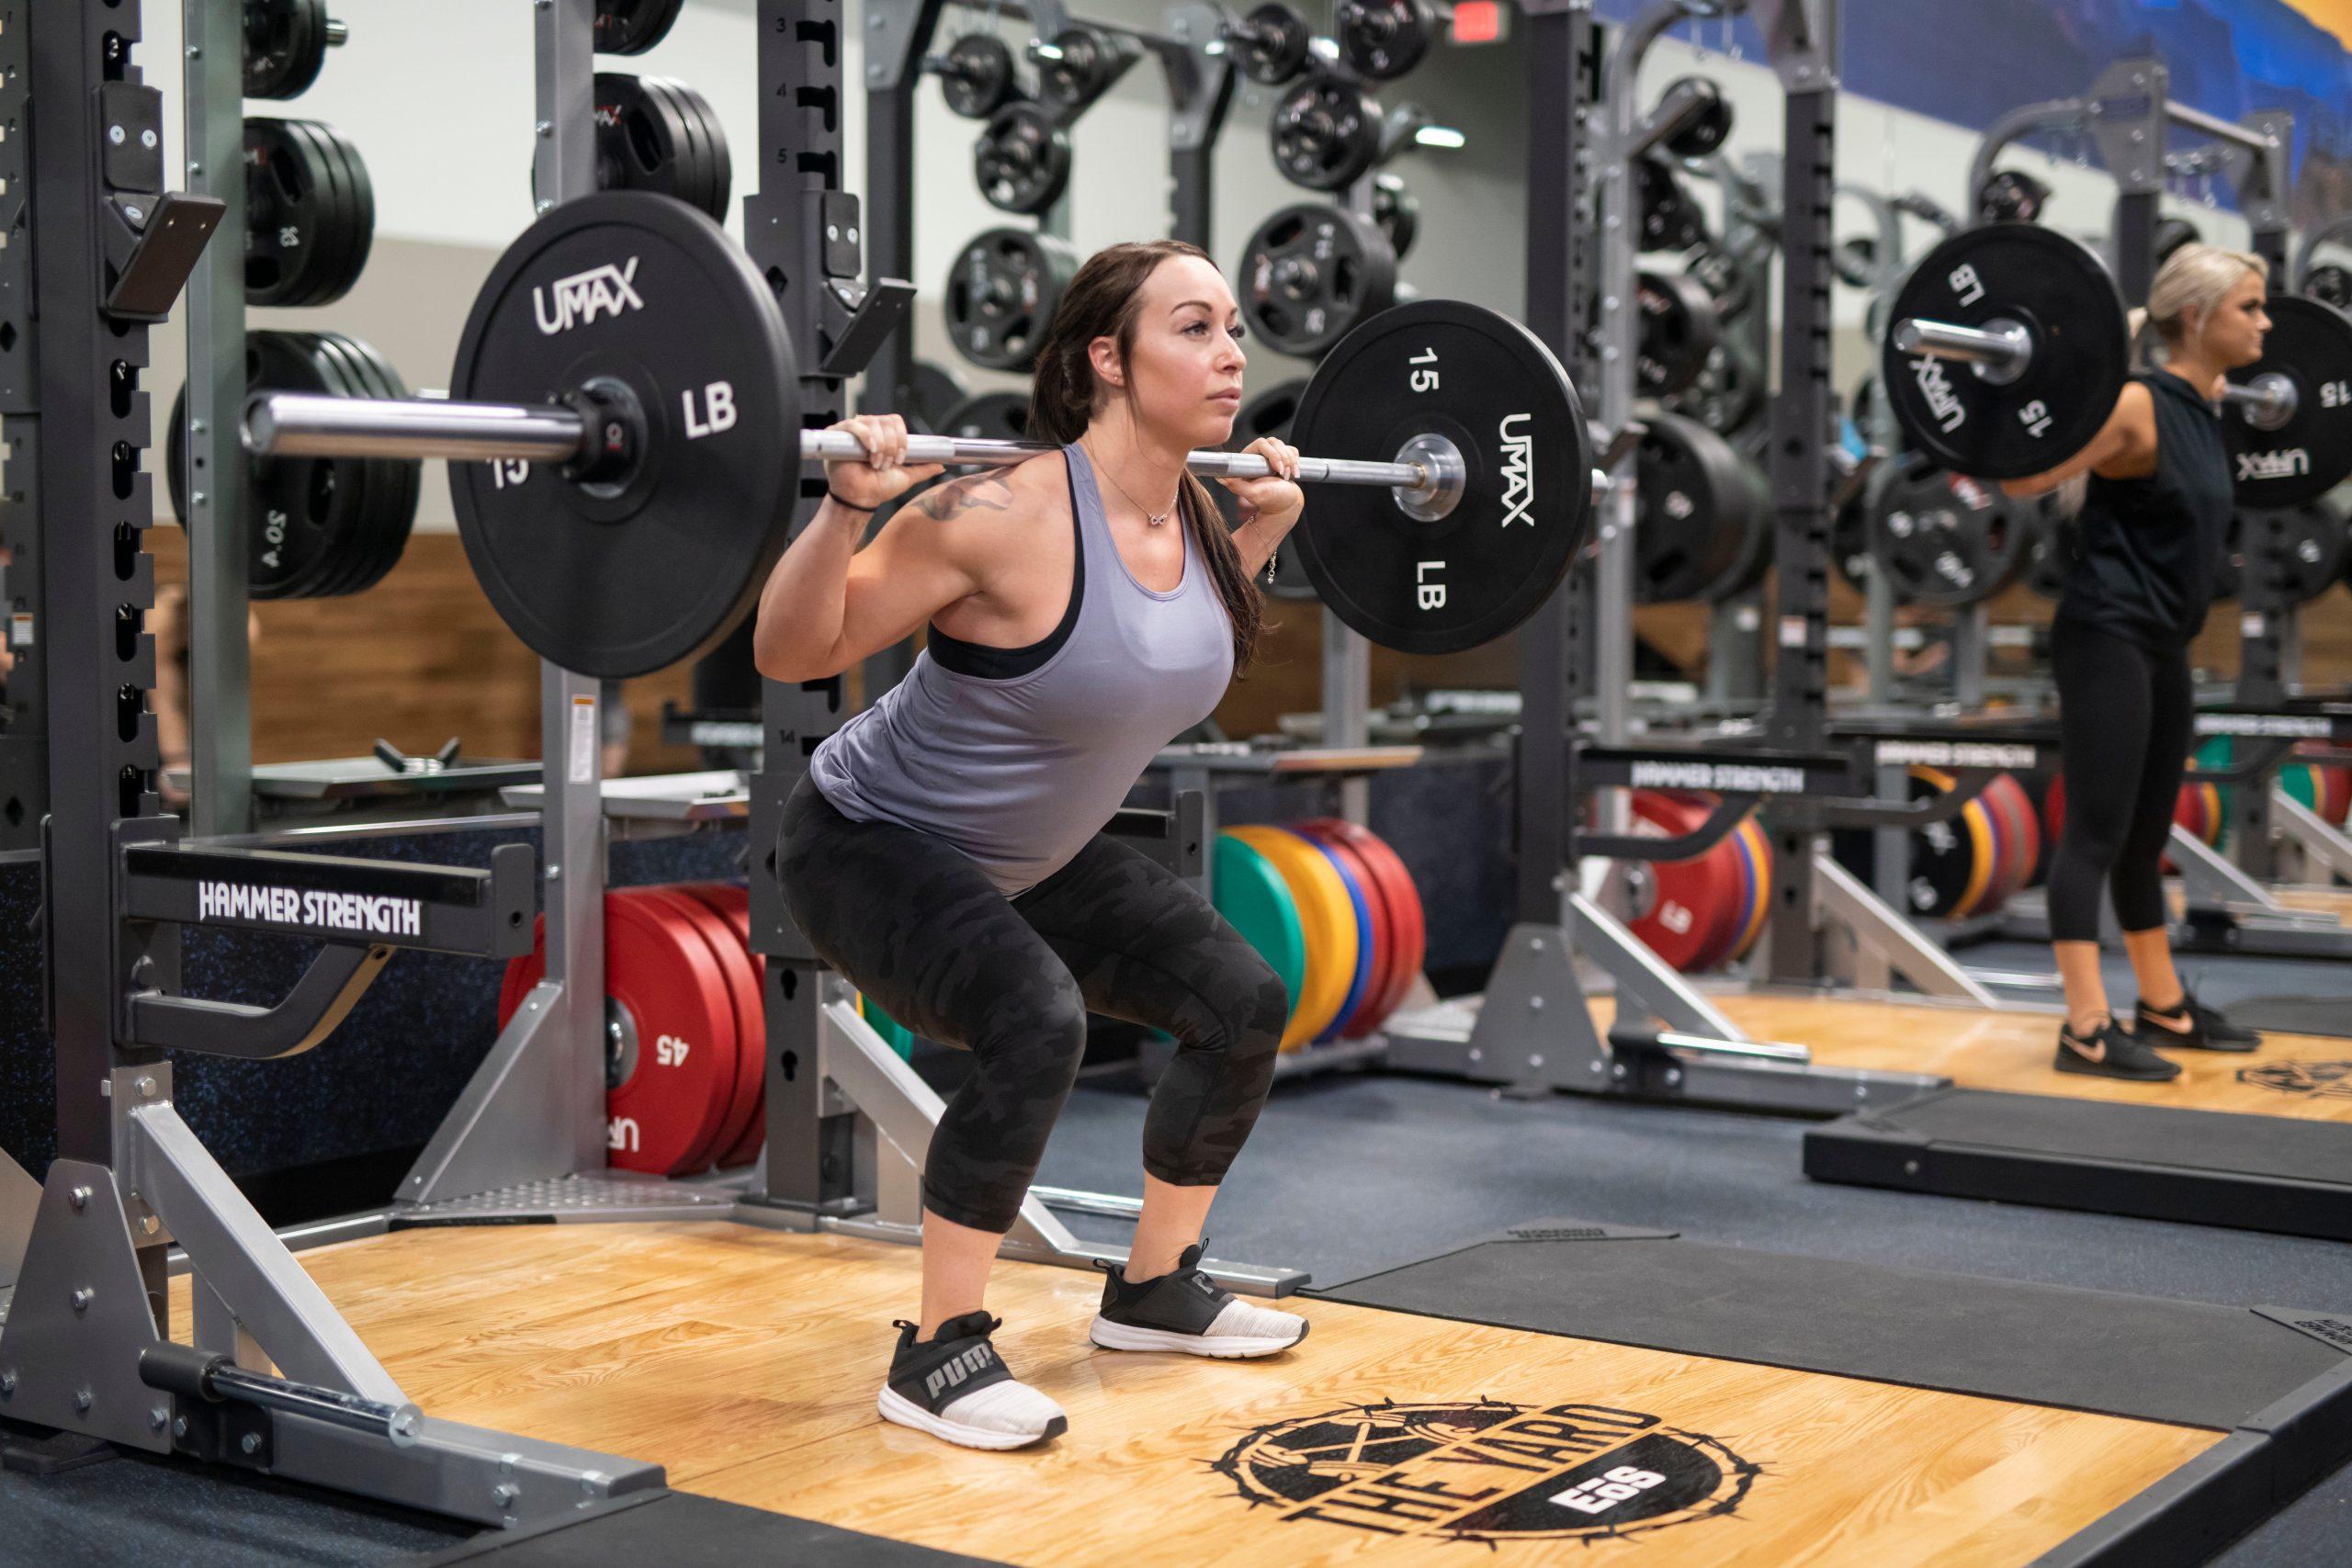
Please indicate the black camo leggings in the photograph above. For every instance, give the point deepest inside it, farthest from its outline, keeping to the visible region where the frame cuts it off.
(915, 925)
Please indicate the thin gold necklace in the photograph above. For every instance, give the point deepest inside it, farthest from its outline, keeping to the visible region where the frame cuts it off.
(1152, 519)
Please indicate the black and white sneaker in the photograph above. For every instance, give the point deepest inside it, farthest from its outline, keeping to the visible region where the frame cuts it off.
(1187, 1311)
(2190, 1025)
(955, 1387)
(2110, 1052)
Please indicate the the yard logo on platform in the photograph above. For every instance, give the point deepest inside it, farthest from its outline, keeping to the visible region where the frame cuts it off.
(1488, 1470)
(2332, 1080)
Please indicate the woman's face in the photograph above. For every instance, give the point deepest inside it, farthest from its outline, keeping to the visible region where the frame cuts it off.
(1184, 367)
(2232, 336)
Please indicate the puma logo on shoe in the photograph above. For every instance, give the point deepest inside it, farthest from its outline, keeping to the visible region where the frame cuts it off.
(951, 1374)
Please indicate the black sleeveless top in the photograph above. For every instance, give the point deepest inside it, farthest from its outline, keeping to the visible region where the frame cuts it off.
(2149, 548)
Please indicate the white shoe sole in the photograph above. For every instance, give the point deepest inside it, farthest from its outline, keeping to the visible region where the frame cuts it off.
(1112, 1336)
(896, 1406)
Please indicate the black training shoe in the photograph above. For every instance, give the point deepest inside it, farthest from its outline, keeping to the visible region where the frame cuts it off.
(2112, 1053)
(1187, 1312)
(2192, 1026)
(956, 1388)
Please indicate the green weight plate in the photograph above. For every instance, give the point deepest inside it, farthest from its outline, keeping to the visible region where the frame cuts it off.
(1256, 901)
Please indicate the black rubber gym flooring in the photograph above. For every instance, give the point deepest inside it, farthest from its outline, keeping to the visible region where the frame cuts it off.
(1352, 1174)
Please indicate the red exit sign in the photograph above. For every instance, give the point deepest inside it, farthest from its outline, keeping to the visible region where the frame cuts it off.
(1477, 21)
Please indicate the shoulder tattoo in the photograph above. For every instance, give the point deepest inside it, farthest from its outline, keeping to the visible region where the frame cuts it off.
(984, 491)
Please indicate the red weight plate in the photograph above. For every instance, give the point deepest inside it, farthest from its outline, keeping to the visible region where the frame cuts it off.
(2024, 832)
(2008, 833)
(1744, 875)
(1722, 864)
(665, 1114)
(750, 1015)
(663, 975)
(1382, 935)
(1407, 927)
(1691, 900)
(734, 905)
(2053, 811)
(2338, 783)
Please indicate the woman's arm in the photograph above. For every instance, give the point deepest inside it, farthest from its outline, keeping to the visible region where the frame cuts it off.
(828, 604)
(2124, 448)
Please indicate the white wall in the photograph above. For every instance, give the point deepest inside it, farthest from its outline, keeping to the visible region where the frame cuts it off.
(438, 96)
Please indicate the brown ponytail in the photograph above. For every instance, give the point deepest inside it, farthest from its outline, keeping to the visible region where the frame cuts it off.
(1102, 301)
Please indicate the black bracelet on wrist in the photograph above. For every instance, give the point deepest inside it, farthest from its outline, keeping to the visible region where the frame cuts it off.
(837, 501)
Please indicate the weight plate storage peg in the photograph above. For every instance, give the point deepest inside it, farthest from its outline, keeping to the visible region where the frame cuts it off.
(286, 46)
(1439, 370)
(315, 526)
(309, 213)
(2011, 196)
(1080, 66)
(1385, 38)
(991, 416)
(1679, 328)
(1698, 507)
(1670, 219)
(2313, 554)
(649, 308)
(2053, 305)
(2330, 283)
(1325, 133)
(1711, 130)
(632, 27)
(1311, 274)
(1022, 159)
(975, 75)
(1271, 44)
(1945, 538)
(1398, 215)
(2281, 462)
(659, 136)
(1002, 290)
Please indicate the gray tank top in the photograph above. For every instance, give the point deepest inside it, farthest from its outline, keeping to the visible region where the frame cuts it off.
(1018, 756)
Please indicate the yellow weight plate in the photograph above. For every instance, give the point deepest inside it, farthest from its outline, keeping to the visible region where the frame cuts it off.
(1980, 836)
(1752, 833)
(1328, 916)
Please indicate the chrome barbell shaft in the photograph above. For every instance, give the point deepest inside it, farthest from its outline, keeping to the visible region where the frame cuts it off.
(2000, 350)
(305, 425)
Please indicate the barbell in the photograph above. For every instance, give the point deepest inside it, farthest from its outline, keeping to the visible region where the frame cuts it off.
(2035, 323)
(625, 377)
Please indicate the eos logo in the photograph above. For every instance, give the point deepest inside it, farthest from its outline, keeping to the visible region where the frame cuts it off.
(1518, 472)
(1488, 1472)
(585, 296)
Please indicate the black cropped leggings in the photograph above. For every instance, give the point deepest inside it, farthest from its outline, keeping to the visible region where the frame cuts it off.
(914, 924)
(2125, 716)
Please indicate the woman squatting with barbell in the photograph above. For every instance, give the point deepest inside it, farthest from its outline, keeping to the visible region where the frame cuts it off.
(946, 854)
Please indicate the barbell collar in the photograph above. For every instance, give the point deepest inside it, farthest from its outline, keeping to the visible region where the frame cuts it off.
(2267, 402)
(2000, 351)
